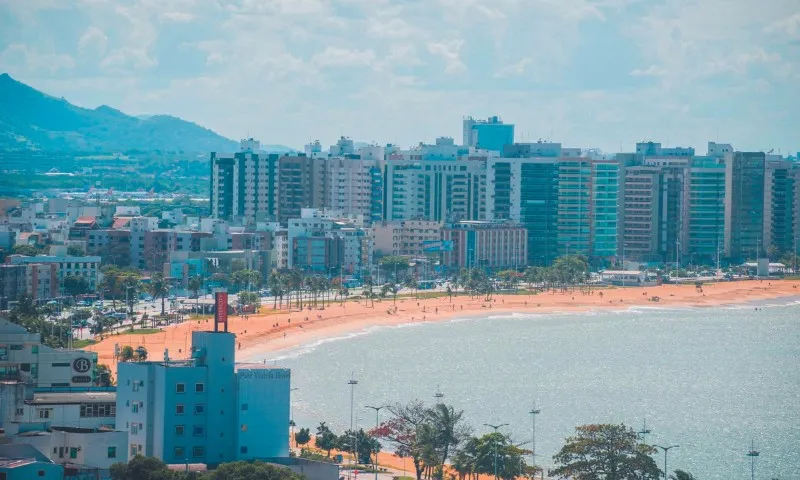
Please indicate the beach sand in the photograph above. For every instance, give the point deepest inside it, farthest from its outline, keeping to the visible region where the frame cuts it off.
(271, 330)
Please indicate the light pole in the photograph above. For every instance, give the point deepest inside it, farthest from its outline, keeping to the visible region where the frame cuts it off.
(438, 395)
(534, 411)
(353, 382)
(753, 453)
(644, 431)
(291, 414)
(375, 463)
(666, 451)
(495, 427)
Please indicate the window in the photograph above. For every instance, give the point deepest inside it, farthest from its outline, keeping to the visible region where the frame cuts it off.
(40, 473)
(45, 412)
(198, 451)
(243, 449)
(180, 388)
(179, 409)
(135, 429)
(179, 452)
(20, 411)
(199, 431)
(61, 364)
(90, 410)
(112, 452)
(135, 408)
(199, 387)
(73, 452)
(199, 409)
(244, 407)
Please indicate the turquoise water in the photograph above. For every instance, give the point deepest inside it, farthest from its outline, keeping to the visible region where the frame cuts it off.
(707, 379)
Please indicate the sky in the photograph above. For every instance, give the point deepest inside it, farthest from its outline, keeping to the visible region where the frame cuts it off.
(587, 73)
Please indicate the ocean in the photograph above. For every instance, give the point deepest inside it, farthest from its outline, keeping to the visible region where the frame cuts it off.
(707, 379)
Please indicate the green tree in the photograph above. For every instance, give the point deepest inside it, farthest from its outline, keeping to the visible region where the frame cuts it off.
(365, 444)
(275, 284)
(302, 437)
(325, 439)
(75, 285)
(394, 265)
(141, 353)
(195, 283)
(408, 430)
(126, 354)
(26, 250)
(159, 288)
(75, 251)
(251, 471)
(681, 475)
(449, 431)
(111, 283)
(605, 452)
(130, 283)
(141, 468)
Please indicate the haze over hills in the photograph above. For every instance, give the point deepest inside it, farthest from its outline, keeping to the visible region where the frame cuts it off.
(33, 120)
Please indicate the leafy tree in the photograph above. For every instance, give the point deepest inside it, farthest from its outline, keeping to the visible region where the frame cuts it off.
(407, 430)
(249, 298)
(104, 377)
(75, 251)
(195, 284)
(111, 283)
(141, 353)
(605, 452)
(159, 287)
(126, 353)
(130, 283)
(365, 445)
(393, 264)
(26, 250)
(302, 437)
(681, 475)
(325, 439)
(75, 285)
(495, 451)
(449, 431)
(141, 468)
(251, 471)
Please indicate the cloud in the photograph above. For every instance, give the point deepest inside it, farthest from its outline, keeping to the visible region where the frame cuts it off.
(513, 70)
(450, 52)
(651, 71)
(125, 59)
(93, 42)
(27, 59)
(789, 26)
(179, 17)
(341, 57)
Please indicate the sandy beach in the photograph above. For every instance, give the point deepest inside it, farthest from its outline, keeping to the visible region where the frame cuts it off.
(272, 330)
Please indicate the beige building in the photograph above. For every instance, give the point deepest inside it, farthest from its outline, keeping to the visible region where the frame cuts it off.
(406, 238)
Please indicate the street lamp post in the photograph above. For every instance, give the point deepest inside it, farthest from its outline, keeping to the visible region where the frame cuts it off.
(375, 463)
(438, 395)
(753, 453)
(353, 382)
(534, 411)
(666, 451)
(495, 427)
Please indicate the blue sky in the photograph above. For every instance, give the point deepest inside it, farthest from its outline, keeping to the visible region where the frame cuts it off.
(587, 73)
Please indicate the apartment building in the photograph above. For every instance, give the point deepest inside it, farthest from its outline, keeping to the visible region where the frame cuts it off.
(408, 238)
(244, 184)
(485, 244)
(745, 181)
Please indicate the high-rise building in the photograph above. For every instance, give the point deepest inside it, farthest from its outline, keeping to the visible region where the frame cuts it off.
(574, 204)
(302, 183)
(485, 244)
(781, 200)
(353, 187)
(244, 184)
(438, 190)
(641, 208)
(704, 196)
(745, 180)
(490, 134)
(606, 197)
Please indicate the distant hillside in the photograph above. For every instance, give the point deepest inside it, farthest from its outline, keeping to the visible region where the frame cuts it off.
(32, 120)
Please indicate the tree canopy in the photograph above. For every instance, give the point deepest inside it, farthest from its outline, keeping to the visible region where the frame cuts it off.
(605, 452)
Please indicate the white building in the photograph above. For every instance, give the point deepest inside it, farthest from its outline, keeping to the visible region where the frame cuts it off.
(350, 185)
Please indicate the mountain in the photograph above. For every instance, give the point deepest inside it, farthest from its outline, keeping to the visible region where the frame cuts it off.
(32, 120)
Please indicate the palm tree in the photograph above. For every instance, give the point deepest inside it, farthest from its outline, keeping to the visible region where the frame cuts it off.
(411, 284)
(275, 288)
(132, 286)
(159, 288)
(449, 430)
(367, 291)
(195, 284)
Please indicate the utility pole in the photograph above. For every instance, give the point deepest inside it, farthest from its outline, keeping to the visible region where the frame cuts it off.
(375, 463)
(753, 453)
(666, 451)
(438, 395)
(495, 427)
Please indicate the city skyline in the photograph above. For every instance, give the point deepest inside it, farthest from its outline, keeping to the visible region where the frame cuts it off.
(384, 72)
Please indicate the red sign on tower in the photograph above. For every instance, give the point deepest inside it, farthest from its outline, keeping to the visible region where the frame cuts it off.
(221, 310)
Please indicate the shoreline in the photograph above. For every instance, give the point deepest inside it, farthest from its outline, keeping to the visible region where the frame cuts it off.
(273, 331)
